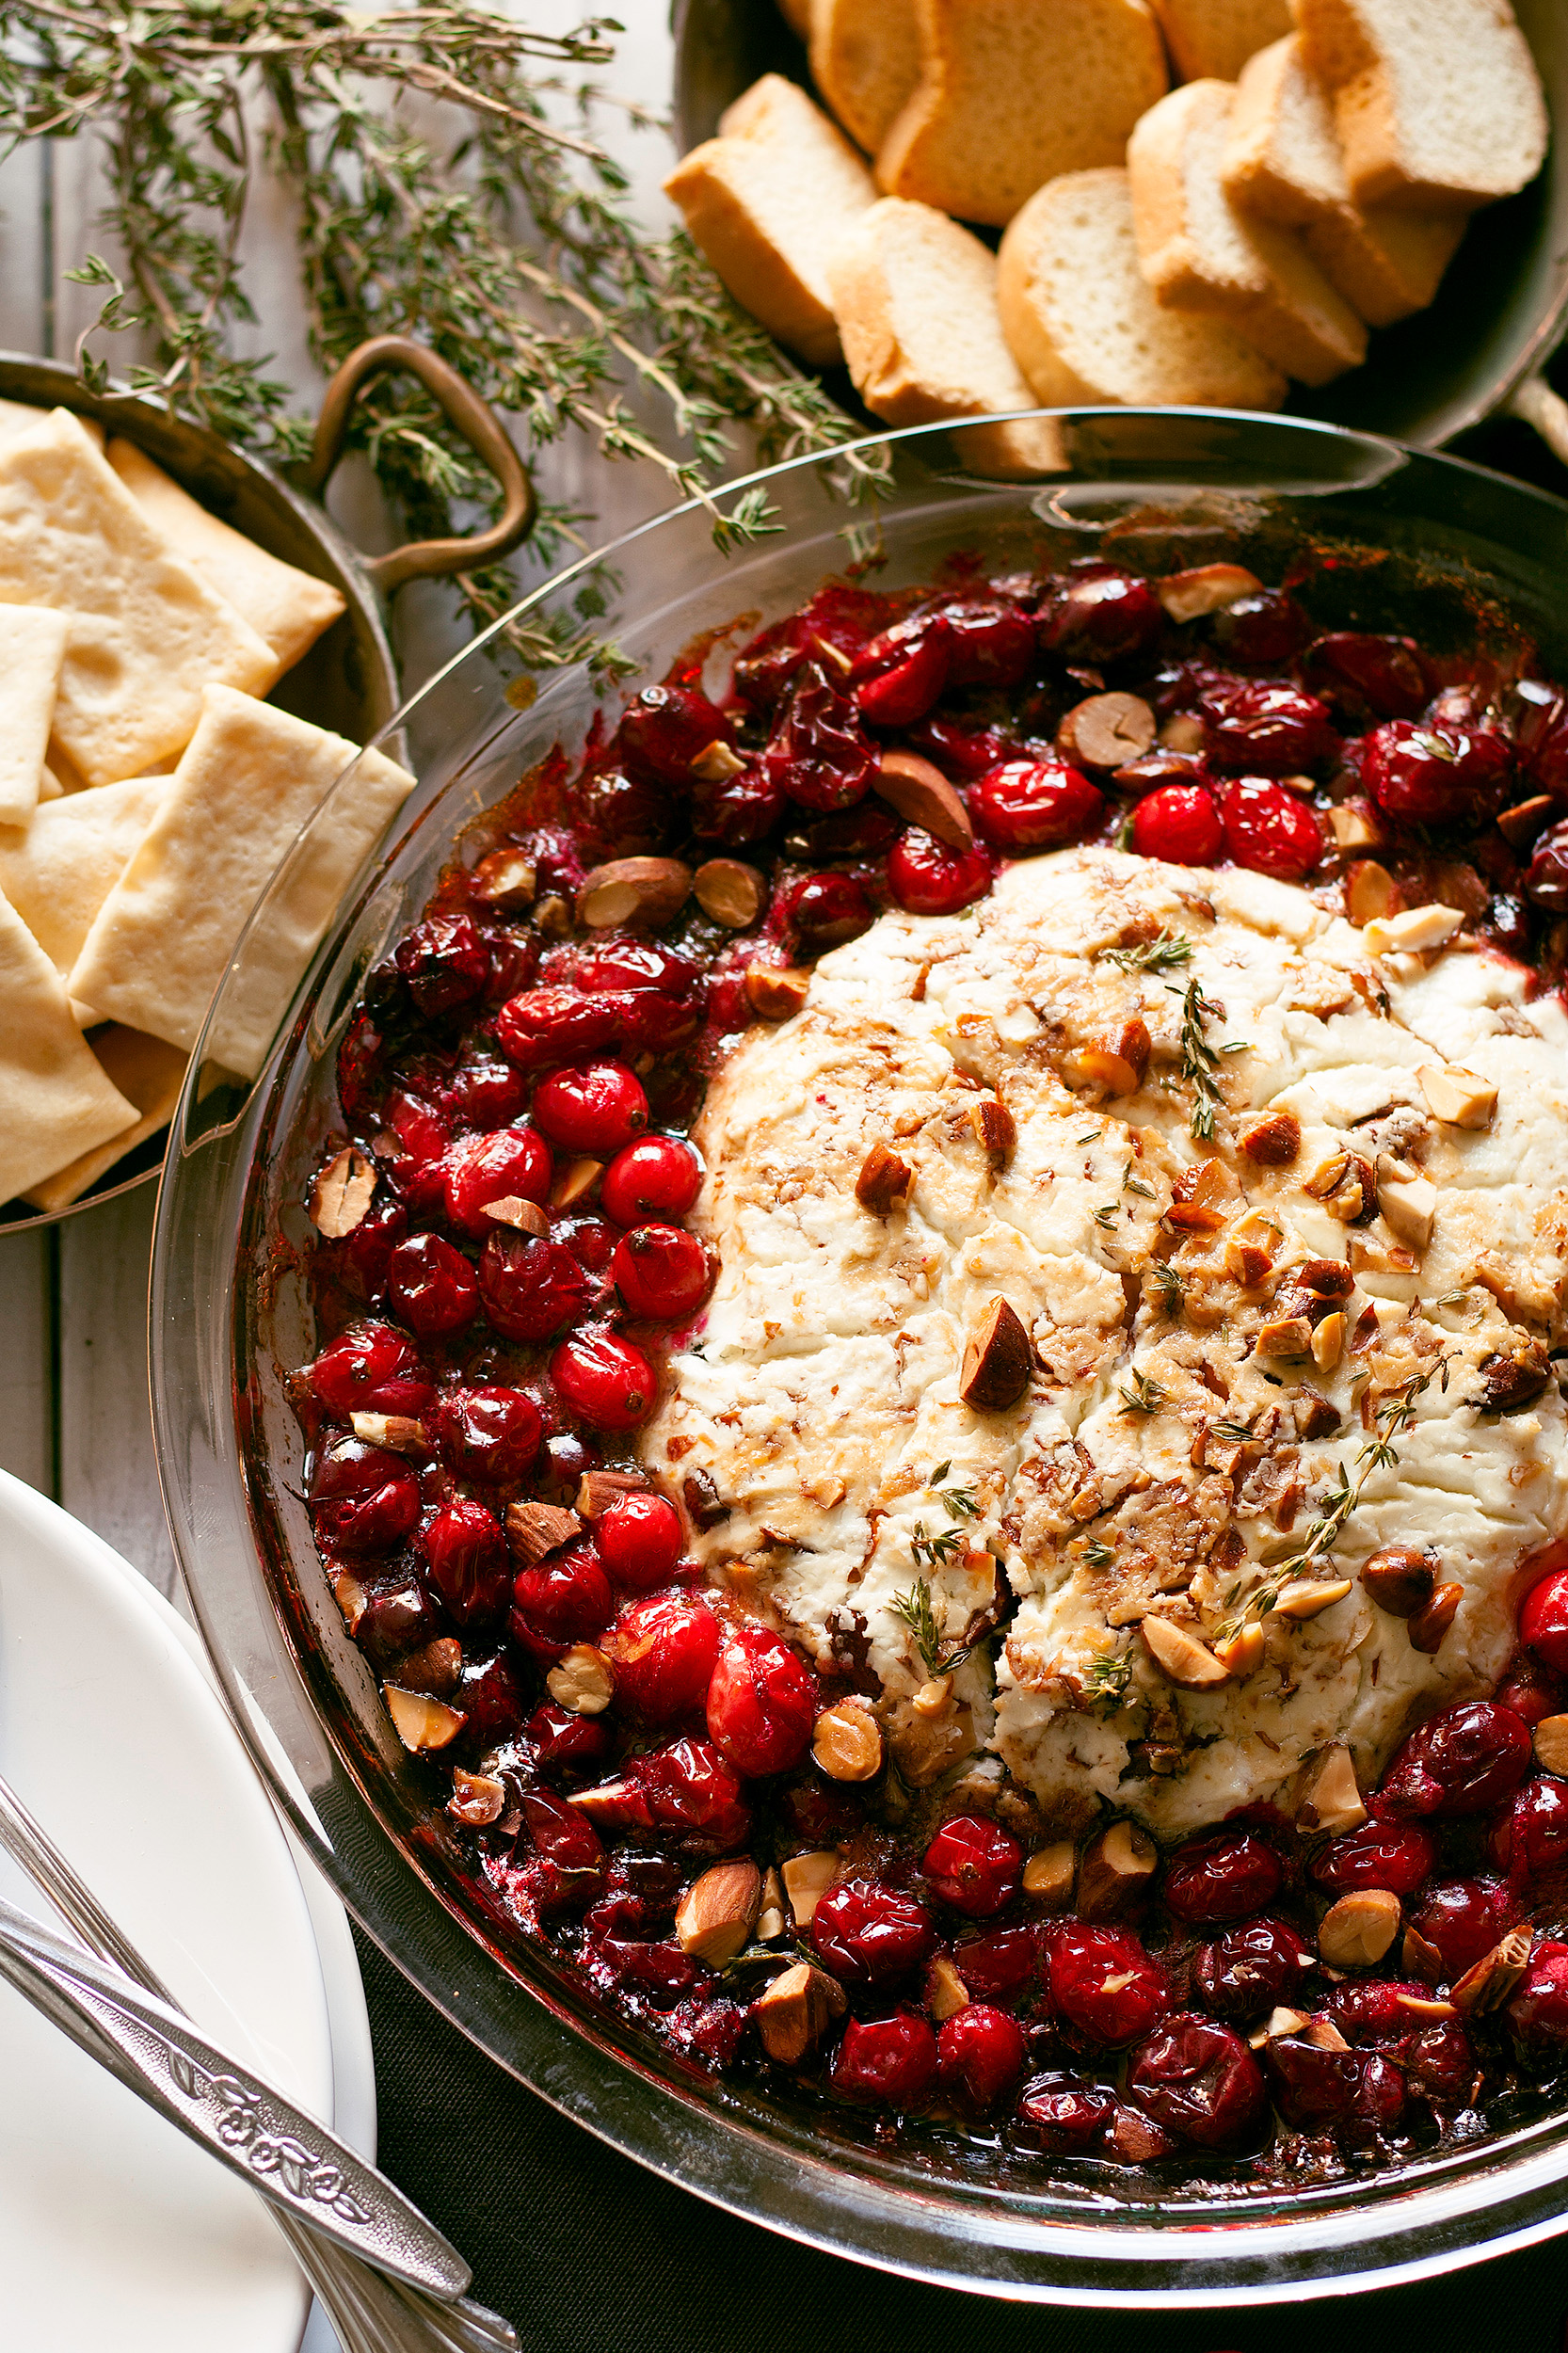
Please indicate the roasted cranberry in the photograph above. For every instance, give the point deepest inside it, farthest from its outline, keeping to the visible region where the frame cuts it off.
(1266, 729)
(1544, 1619)
(1459, 1762)
(1539, 2010)
(861, 832)
(569, 1871)
(957, 750)
(761, 1703)
(666, 727)
(1252, 1968)
(604, 1379)
(445, 961)
(512, 1164)
(1104, 1984)
(358, 1261)
(361, 1075)
(841, 618)
(566, 1456)
(1508, 925)
(1103, 617)
(619, 815)
(660, 1272)
(1439, 2062)
(1034, 804)
(419, 1129)
(1463, 1919)
(489, 1696)
(663, 1651)
(566, 1743)
(1269, 830)
(485, 1091)
(1532, 1838)
(1179, 822)
(974, 1866)
(732, 812)
(897, 675)
(827, 910)
(1530, 1691)
(867, 1933)
(545, 1025)
(656, 1177)
(1436, 776)
(396, 1620)
(693, 1790)
(888, 2062)
(1374, 2012)
(991, 640)
(365, 1499)
(563, 1599)
(1383, 675)
(466, 1556)
(530, 1286)
(1064, 2112)
(1222, 1877)
(1393, 1856)
(927, 877)
(1261, 632)
(1357, 2095)
(999, 1967)
(627, 961)
(639, 1539)
(595, 1109)
(1200, 2081)
(489, 1434)
(981, 2055)
(372, 1369)
(819, 755)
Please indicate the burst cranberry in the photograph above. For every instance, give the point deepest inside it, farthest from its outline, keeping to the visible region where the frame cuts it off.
(927, 877)
(1104, 1984)
(489, 1696)
(545, 1025)
(561, 1600)
(1532, 1838)
(396, 1620)
(466, 1556)
(1436, 775)
(1266, 729)
(897, 677)
(597, 1109)
(619, 815)
(1384, 676)
(639, 1539)
(841, 618)
(660, 1272)
(374, 1369)
(1459, 1762)
(999, 1967)
(564, 1742)
(628, 963)
(604, 1379)
(732, 812)
(1393, 1856)
(485, 1091)
(1034, 804)
(866, 1933)
(1252, 1968)
(1357, 2095)
(361, 1075)
(1439, 2061)
(530, 1286)
(489, 1434)
(512, 1164)
(886, 2063)
(1374, 2013)
(656, 1177)
(761, 1703)
(1530, 1691)
(364, 1499)
(1179, 822)
(992, 642)
(432, 1285)
(569, 1870)
(819, 755)
(1538, 2013)
(1065, 2112)
(861, 832)
(1463, 1919)
(1103, 617)
(419, 1129)
(663, 1651)
(957, 750)
(691, 1790)
(1269, 830)
(1200, 2082)
(1223, 1878)
(1543, 1621)
(358, 1261)
(445, 962)
(827, 910)
(1261, 632)
(974, 1866)
(981, 2055)
(666, 727)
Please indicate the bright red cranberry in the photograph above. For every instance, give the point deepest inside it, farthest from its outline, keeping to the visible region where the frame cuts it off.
(563, 1599)
(1463, 1919)
(1223, 1878)
(1251, 1969)
(616, 962)
(1179, 822)
(819, 755)
(512, 1164)
(1538, 2013)
(992, 642)
(660, 1272)
(1103, 618)
(1543, 1621)
(1034, 804)
(1383, 675)
(485, 1091)
(732, 812)
(1436, 776)
(897, 677)
(1269, 830)
(666, 727)
(359, 1261)
(640, 1540)
(445, 961)
(1104, 1984)
(604, 1379)
(886, 2063)
(545, 1025)
(1393, 1856)
(489, 1434)
(981, 2055)
(827, 910)
(489, 1696)
(1200, 2081)
(761, 1703)
(372, 1369)
(1001, 1966)
(1459, 1762)
(365, 1499)
(974, 1866)
(1067, 2114)
(467, 1561)
(566, 1743)
(1357, 2095)
(927, 877)
(1262, 631)
(595, 1109)
(1266, 728)
(656, 1177)
(663, 1650)
(866, 1933)
(419, 1129)
(1531, 1840)
(530, 1286)
(568, 1869)
(691, 1790)
(432, 1285)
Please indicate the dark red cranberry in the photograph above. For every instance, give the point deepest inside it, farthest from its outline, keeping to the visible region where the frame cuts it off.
(897, 675)
(489, 1696)
(358, 1261)
(445, 961)
(361, 1071)
(591, 1240)
(1543, 1621)
(468, 1562)
(1269, 830)
(827, 910)
(598, 1108)
(565, 1457)
(1001, 1967)
(1104, 1984)
(1538, 2013)
(992, 642)
(761, 1703)
(530, 1286)
(666, 728)
(691, 1789)
(974, 1866)
(660, 1272)
(421, 1129)
(620, 815)
(566, 1743)
(604, 1379)
(629, 962)
(1541, 735)
(656, 1177)
(640, 1540)
(1374, 2013)
(365, 1499)
(1067, 2114)
(981, 2054)
(1436, 776)
(663, 1651)
(1459, 1762)
(861, 832)
(432, 1285)
(1179, 822)
(927, 877)
(1529, 1691)
(396, 1620)
(886, 2063)
(1034, 804)
(1251, 1969)
(545, 1025)
(1531, 1840)
(1393, 1856)
(732, 812)
(489, 1434)
(1266, 729)
(866, 1933)
(1383, 676)
(838, 617)
(819, 755)
(372, 1370)
(1508, 925)
(1223, 1878)
(1439, 2062)
(485, 1091)
(568, 1869)
(1199, 2081)
(1262, 631)
(1357, 2094)
(563, 1599)
(1103, 617)
(512, 1164)
(960, 751)
(1463, 1919)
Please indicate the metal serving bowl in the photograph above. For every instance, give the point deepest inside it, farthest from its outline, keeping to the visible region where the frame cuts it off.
(1416, 542)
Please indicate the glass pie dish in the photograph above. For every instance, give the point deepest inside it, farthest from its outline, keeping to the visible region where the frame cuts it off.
(1433, 547)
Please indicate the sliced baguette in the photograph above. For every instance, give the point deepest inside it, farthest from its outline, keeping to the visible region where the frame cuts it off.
(1198, 253)
(1084, 326)
(1014, 91)
(916, 297)
(766, 201)
(866, 61)
(1212, 39)
(1438, 102)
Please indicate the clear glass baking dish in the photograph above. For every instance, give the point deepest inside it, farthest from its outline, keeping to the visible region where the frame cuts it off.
(1395, 539)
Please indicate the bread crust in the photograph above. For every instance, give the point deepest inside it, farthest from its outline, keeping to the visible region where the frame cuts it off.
(1212, 39)
(866, 61)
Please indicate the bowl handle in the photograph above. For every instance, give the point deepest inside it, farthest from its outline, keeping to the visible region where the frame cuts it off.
(1537, 405)
(473, 418)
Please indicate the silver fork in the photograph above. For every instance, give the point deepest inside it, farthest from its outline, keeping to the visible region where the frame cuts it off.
(371, 2311)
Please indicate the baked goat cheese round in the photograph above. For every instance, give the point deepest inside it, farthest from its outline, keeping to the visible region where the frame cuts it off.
(1281, 1208)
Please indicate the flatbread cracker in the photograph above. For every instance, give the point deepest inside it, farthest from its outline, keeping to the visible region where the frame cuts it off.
(286, 606)
(56, 1102)
(32, 649)
(146, 633)
(58, 871)
(150, 1075)
(251, 777)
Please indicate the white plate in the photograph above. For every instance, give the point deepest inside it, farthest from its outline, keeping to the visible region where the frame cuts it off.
(116, 2232)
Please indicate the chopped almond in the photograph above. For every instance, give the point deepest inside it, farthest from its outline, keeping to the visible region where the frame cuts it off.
(1427, 1627)
(583, 1680)
(922, 796)
(342, 1194)
(776, 992)
(1457, 1096)
(715, 1915)
(807, 1880)
(731, 892)
(645, 891)
(884, 1182)
(1180, 1657)
(847, 1743)
(1330, 1798)
(505, 880)
(534, 1530)
(424, 1724)
(1116, 1869)
(997, 1361)
(1050, 1874)
(1355, 1932)
(1207, 588)
(796, 2012)
(1106, 731)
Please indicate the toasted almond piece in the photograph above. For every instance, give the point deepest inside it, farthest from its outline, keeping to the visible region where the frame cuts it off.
(1400, 1579)
(1489, 1983)
(1328, 1341)
(771, 1919)
(1420, 1959)
(552, 915)
(1356, 825)
(807, 1880)
(1427, 2012)
(1183, 731)
(1201, 1196)
(796, 2012)
(717, 762)
(1330, 1797)
(731, 892)
(934, 1699)
(946, 1993)
(584, 1680)
(1136, 2138)
(714, 1916)
(341, 1193)
(574, 1180)
(1207, 588)
(598, 1489)
(1520, 825)
(996, 1130)
(883, 1184)
(1251, 1246)
(1282, 2022)
(1050, 1874)
(524, 1217)
(1323, 2034)
(1285, 1335)
(1243, 1654)
(1355, 1932)
(846, 1741)
(1408, 1201)
(1116, 1868)
(351, 1598)
(424, 1724)
(435, 1668)
(922, 796)
(1315, 1415)
(1457, 1096)
(506, 880)
(997, 1361)
(1371, 892)
(1116, 1062)
(534, 1530)
(400, 1434)
(1427, 1627)
(1106, 731)
(477, 1798)
(1306, 1596)
(1273, 1141)
(776, 992)
(1415, 930)
(634, 891)
(1180, 1657)
(1551, 1744)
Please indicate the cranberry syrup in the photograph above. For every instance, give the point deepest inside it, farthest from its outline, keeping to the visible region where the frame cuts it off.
(659, 1786)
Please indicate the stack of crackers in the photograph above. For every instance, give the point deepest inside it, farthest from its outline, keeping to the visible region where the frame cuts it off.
(147, 793)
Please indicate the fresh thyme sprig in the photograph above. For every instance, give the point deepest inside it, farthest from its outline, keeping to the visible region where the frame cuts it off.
(1199, 1060)
(937, 1549)
(958, 1502)
(1168, 1284)
(1106, 1678)
(1143, 1396)
(1160, 954)
(941, 1656)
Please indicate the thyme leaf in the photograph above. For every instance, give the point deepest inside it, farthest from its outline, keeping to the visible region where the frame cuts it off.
(1141, 1395)
(1163, 953)
(940, 1655)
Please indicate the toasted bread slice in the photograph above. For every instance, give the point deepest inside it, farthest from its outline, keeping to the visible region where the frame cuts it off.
(1084, 326)
(1386, 263)
(1014, 91)
(865, 60)
(1199, 253)
(1212, 39)
(916, 297)
(1438, 102)
(797, 16)
(766, 201)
